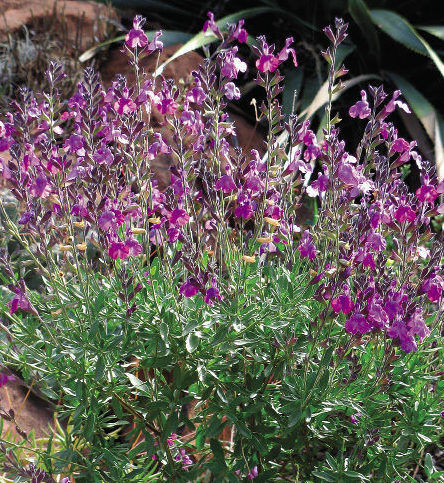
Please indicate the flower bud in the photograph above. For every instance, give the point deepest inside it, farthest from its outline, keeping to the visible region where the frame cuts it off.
(65, 248)
(79, 224)
(249, 259)
(81, 247)
(272, 221)
(138, 230)
(265, 239)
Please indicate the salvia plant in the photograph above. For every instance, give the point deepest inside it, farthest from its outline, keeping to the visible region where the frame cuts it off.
(200, 332)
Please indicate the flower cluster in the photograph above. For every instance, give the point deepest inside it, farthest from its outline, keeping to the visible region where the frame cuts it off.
(173, 270)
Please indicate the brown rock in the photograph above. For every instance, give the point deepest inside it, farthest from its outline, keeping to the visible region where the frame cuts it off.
(179, 68)
(31, 413)
(83, 20)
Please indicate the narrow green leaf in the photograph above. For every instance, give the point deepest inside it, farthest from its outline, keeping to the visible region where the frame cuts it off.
(399, 29)
(100, 369)
(361, 15)
(201, 39)
(169, 37)
(436, 30)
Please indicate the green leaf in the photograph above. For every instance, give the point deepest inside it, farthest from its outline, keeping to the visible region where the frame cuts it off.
(169, 37)
(201, 39)
(428, 464)
(436, 30)
(399, 29)
(164, 331)
(100, 369)
(217, 450)
(292, 87)
(192, 342)
(427, 114)
(361, 15)
(138, 384)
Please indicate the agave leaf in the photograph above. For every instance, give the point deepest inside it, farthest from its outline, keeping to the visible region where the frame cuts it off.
(201, 39)
(417, 132)
(403, 32)
(292, 87)
(427, 114)
(169, 37)
(361, 15)
(436, 30)
(343, 51)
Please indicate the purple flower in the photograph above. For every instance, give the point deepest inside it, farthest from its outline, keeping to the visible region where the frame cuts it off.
(357, 323)
(190, 288)
(225, 183)
(118, 250)
(196, 95)
(179, 217)
(136, 37)
(318, 186)
(103, 156)
(376, 315)
(75, 144)
(125, 105)
(253, 473)
(376, 241)
(268, 62)
(212, 294)
(354, 418)
(232, 65)
(400, 145)
(244, 210)
(361, 109)
(427, 193)
(306, 247)
(108, 220)
(404, 213)
(417, 325)
(343, 303)
(240, 34)
(134, 247)
(400, 331)
(40, 188)
(348, 173)
(211, 24)
(231, 91)
(5, 378)
(391, 106)
(20, 300)
(433, 287)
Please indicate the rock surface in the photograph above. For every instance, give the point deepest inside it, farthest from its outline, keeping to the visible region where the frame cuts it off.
(31, 413)
(84, 20)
